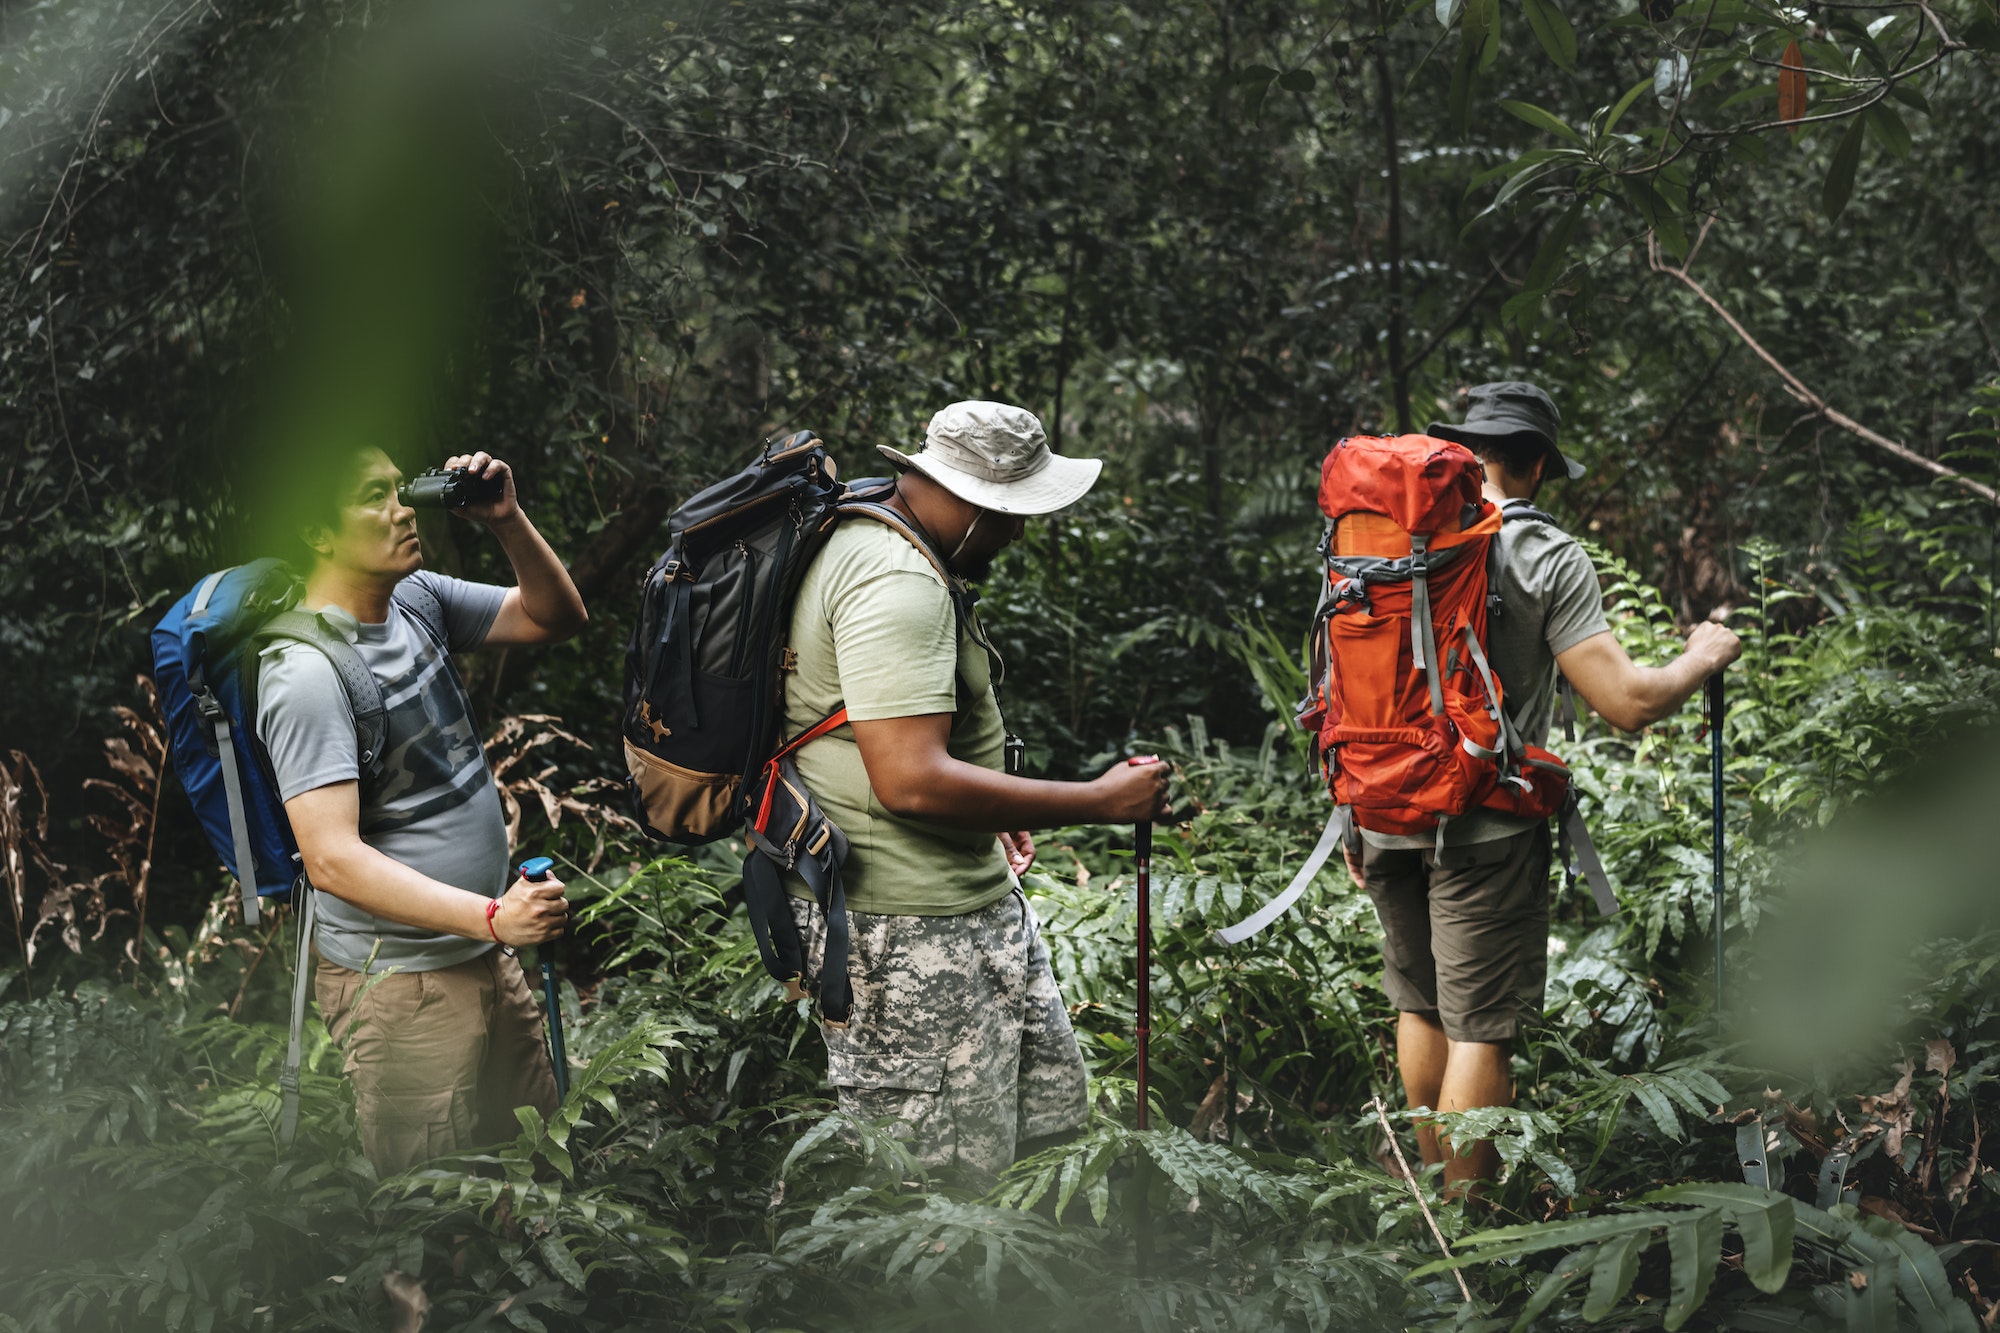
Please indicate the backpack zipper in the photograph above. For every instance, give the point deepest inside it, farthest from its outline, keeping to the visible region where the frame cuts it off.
(743, 618)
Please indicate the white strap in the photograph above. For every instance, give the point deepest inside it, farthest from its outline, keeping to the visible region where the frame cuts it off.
(1336, 829)
(204, 592)
(288, 1077)
(239, 823)
(1586, 856)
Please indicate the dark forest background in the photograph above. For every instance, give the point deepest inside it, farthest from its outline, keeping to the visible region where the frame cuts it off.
(1752, 250)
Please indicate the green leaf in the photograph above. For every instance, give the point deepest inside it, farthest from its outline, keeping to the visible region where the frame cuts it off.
(1910, 97)
(1624, 104)
(1889, 129)
(1652, 1098)
(1613, 1274)
(1447, 11)
(1695, 1242)
(1553, 1286)
(1552, 30)
(1464, 82)
(1523, 308)
(1765, 1218)
(560, 1261)
(1549, 255)
(1840, 173)
(1512, 1242)
(1297, 80)
(1921, 1280)
(1540, 119)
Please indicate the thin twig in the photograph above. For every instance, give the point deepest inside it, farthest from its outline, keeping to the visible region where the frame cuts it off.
(1382, 1114)
(1797, 389)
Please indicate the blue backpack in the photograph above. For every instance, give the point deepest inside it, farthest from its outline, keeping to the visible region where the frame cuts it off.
(205, 654)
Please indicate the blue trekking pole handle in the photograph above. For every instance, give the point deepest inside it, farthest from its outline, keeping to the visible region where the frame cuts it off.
(534, 871)
(1715, 823)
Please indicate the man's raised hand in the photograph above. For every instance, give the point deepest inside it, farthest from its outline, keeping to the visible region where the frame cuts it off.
(1714, 643)
(531, 912)
(1132, 791)
(483, 464)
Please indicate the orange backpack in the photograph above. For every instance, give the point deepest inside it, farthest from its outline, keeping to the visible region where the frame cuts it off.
(1409, 722)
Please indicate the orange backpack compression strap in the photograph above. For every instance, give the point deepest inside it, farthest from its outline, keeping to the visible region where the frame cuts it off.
(831, 722)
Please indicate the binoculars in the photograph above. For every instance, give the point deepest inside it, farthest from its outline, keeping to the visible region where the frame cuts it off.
(449, 488)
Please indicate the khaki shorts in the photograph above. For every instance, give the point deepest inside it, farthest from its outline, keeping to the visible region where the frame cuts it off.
(1468, 939)
(958, 1036)
(439, 1060)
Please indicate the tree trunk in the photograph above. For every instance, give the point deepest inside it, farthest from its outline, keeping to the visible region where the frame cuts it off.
(1399, 374)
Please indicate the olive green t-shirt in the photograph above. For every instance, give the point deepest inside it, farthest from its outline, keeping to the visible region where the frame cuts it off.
(873, 629)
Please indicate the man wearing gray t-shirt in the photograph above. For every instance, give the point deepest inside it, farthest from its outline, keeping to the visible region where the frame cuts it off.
(1465, 927)
(441, 1034)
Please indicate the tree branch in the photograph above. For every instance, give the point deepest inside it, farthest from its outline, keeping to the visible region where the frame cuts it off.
(1819, 406)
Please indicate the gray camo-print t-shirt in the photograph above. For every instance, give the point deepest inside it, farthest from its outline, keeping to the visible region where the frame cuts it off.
(434, 807)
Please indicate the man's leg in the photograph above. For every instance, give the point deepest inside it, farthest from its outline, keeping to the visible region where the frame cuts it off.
(413, 1043)
(516, 1071)
(1399, 884)
(1489, 938)
(1053, 1086)
(1421, 1052)
(1476, 1074)
(913, 984)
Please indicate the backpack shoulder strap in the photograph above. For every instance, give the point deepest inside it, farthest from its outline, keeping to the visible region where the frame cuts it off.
(1519, 509)
(364, 692)
(962, 597)
(425, 607)
(889, 518)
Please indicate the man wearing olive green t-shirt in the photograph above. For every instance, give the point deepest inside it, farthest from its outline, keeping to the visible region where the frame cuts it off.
(957, 1036)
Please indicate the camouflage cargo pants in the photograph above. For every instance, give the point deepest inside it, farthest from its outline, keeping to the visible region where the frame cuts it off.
(958, 1034)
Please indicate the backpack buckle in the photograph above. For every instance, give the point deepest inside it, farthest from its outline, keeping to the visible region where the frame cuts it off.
(208, 706)
(1349, 593)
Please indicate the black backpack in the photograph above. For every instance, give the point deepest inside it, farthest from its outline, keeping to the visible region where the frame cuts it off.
(704, 688)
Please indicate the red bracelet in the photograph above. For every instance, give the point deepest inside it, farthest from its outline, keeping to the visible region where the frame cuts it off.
(491, 908)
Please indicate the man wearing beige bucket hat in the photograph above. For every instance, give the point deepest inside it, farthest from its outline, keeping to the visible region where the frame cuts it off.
(957, 1033)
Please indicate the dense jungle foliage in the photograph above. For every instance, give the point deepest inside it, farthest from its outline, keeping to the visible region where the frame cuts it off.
(1752, 251)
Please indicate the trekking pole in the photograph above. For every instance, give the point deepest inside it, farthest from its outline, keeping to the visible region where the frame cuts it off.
(1142, 862)
(534, 871)
(1715, 823)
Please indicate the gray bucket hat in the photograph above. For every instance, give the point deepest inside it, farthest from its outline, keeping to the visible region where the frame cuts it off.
(995, 455)
(1508, 408)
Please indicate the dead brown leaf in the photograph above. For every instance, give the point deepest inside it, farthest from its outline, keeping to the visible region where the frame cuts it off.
(1960, 1183)
(1209, 1116)
(1892, 1113)
(408, 1302)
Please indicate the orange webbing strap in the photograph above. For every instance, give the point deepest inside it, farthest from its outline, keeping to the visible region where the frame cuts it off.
(831, 722)
(1362, 532)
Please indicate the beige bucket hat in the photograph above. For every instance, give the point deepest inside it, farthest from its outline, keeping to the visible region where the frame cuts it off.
(995, 455)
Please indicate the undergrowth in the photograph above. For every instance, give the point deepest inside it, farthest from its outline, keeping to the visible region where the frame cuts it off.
(1659, 1168)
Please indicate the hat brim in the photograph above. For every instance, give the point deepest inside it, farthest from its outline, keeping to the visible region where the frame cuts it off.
(1060, 483)
(1464, 432)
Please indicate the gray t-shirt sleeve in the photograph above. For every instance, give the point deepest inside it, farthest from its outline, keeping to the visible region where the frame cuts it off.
(1574, 602)
(469, 608)
(305, 721)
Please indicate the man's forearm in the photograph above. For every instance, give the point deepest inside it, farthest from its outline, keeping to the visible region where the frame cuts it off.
(1663, 689)
(548, 596)
(960, 795)
(383, 886)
